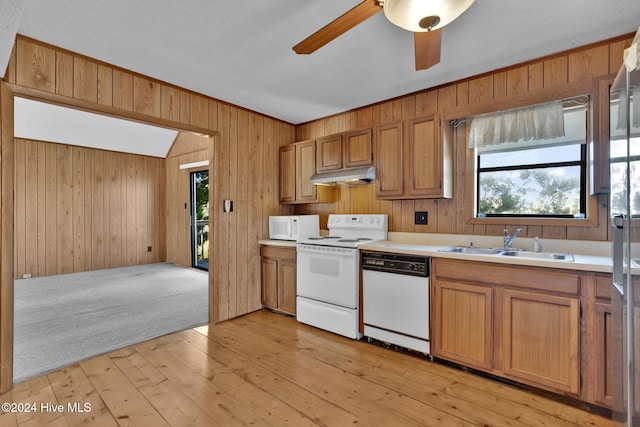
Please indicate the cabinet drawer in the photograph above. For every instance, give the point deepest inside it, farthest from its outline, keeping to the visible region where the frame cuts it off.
(603, 287)
(278, 252)
(538, 278)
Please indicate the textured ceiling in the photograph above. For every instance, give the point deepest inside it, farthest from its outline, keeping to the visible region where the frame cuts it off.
(240, 51)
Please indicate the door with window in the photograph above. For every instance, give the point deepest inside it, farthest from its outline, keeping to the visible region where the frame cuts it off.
(200, 219)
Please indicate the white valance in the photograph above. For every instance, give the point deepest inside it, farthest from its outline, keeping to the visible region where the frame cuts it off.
(634, 116)
(535, 122)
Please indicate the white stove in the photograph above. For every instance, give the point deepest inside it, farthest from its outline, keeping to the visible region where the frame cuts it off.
(350, 231)
(328, 272)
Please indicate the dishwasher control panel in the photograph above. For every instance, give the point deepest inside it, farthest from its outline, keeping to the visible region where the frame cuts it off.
(412, 265)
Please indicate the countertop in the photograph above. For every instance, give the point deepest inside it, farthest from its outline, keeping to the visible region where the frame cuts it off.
(581, 262)
(280, 243)
(595, 256)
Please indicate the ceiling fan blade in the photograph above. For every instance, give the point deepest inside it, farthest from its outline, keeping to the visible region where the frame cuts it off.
(427, 45)
(337, 27)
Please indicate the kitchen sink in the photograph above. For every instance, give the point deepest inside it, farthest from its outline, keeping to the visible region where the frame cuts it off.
(509, 252)
(540, 255)
(471, 250)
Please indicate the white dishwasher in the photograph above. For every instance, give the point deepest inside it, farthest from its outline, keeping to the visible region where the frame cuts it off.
(395, 291)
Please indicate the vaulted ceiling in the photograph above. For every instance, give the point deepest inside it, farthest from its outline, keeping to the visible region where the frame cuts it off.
(240, 51)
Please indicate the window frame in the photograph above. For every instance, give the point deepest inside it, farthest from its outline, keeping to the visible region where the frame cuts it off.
(471, 185)
(582, 163)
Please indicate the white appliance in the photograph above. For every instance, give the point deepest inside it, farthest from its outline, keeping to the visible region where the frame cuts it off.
(294, 227)
(625, 185)
(395, 289)
(327, 273)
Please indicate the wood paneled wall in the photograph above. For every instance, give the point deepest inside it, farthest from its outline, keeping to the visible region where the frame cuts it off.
(557, 75)
(82, 209)
(245, 155)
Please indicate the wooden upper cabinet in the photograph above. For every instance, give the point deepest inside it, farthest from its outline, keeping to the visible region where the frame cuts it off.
(357, 148)
(388, 160)
(344, 150)
(288, 174)
(424, 162)
(420, 166)
(305, 169)
(329, 153)
(297, 166)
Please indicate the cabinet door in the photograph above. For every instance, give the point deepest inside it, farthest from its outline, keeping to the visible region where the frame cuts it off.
(287, 286)
(269, 282)
(357, 149)
(540, 338)
(288, 173)
(603, 347)
(388, 160)
(305, 169)
(329, 153)
(423, 162)
(462, 323)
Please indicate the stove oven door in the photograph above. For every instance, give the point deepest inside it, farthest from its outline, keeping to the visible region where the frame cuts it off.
(328, 274)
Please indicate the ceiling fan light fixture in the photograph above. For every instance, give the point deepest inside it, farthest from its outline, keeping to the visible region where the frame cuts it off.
(423, 15)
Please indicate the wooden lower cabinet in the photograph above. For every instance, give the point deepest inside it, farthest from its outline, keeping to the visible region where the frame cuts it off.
(463, 315)
(540, 339)
(278, 278)
(521, 323)
(603, 378)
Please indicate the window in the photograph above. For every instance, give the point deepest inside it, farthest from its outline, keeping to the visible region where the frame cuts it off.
(200, 219)
(536, 178)
(618, 158)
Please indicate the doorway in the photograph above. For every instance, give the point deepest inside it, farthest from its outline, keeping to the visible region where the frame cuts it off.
(200, 219)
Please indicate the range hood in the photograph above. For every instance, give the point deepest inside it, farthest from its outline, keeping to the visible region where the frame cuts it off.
(365, 175)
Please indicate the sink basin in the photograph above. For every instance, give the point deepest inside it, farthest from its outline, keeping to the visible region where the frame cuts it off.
(471, 250)
(540, 255)
(509, 252)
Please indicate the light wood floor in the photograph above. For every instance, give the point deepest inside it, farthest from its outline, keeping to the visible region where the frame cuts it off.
(267, 369)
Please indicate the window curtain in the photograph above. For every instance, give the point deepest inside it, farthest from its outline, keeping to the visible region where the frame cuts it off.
(634, 117)
(535, 122)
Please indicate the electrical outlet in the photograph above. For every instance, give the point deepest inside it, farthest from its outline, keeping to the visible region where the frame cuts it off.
(421, 218)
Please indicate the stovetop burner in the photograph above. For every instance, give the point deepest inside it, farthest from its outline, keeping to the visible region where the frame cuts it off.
(349, 231)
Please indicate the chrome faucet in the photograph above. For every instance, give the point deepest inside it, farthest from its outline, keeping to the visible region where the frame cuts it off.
(508, 239)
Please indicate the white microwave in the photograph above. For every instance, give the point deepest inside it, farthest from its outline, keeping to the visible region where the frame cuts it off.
(294, 227)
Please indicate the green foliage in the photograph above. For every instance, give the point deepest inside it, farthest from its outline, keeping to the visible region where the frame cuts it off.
(202, 195)
(500, 195)
(618, 194)
(529, 192)
(554, 192)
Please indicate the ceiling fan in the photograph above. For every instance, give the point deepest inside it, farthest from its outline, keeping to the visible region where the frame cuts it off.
(425, 18)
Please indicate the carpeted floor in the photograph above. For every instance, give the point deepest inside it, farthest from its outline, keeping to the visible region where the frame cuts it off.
(60, 320)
